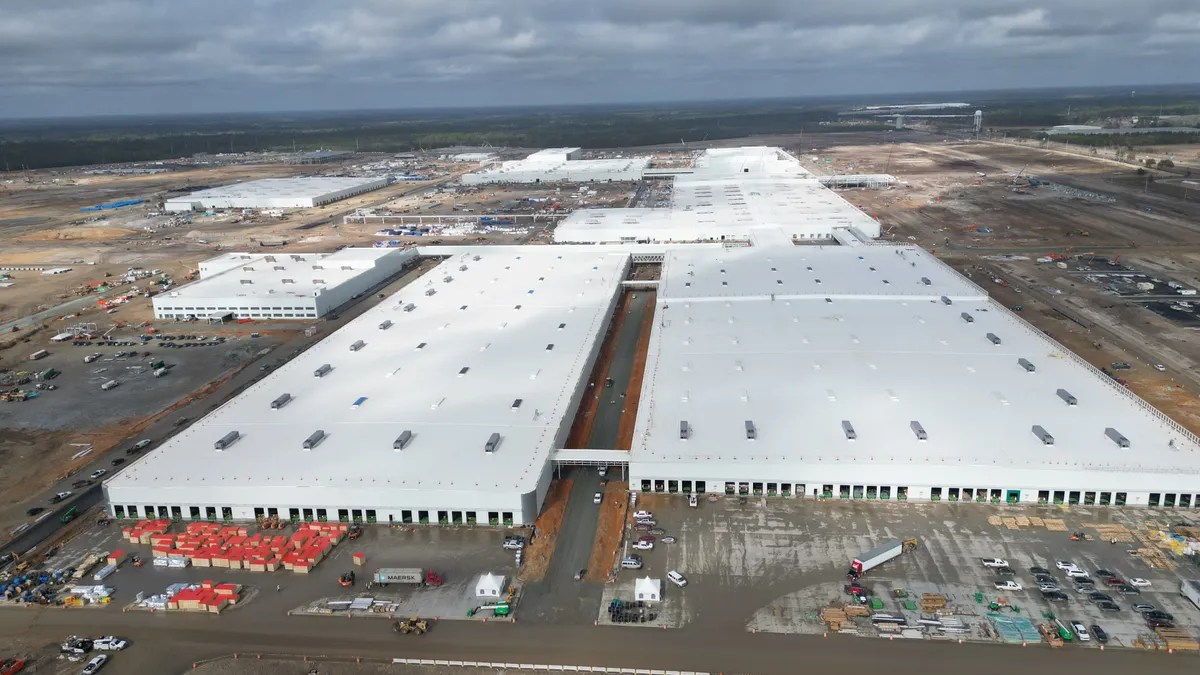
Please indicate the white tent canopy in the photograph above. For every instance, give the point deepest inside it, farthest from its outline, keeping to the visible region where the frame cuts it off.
(647, 589)
(489, 586)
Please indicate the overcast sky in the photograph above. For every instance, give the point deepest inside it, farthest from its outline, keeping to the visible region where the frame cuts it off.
(81, 57)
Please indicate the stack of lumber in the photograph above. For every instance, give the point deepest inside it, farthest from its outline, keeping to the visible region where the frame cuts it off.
(1187, 531)
(1055, 524)
(855, 610)
(1050, 634)
(1036, 522)
(994, 521)
(1109, 532)
(1178, 639)
(1010, 523)
(932, 602)
(141, 531)
(835, 618)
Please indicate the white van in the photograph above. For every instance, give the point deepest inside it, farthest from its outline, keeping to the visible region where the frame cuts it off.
(111, 384)
(632, 563)
(677, 578)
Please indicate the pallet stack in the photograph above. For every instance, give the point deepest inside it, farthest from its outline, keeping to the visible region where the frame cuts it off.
(855, 610)
(932, 602)
(1112, 532)
(232, 547)
(1177, 639)
(835, 618)
(141, 531)
(207, 597)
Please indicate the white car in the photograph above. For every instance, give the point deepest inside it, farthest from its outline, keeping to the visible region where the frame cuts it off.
(1081, 631)
(109, 644)
(598, 497)
(677, 578)
(693, 501)
(98, 473)
(643, 545)
(994, 562)
(142, 443)
(1075, 573)
(1066, 565)
(1160, 367)
(1138, 581)
(1007, 585)
(94, 665)
(642, 515)
(603, 471)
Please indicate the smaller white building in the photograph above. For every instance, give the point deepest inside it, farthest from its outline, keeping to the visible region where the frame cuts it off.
(489, 586)
(286, 286)
(275, 193)
(647, 589)
(560, 164)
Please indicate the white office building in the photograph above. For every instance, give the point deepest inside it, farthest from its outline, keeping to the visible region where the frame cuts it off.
(275, 193)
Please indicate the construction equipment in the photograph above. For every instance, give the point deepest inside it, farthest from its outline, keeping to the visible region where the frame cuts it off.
(347, 579)
(1077, 536)
(496, 608)
(910, 544)
(412, 625)
(355, 531)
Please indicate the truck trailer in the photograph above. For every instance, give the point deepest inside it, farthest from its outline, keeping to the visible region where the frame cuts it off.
(1190, 589)
(879, 555)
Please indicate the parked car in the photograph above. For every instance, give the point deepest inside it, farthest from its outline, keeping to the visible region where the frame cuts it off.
(1107, 606)
(1065, 565)
(1055, 596)
(1044, 579)
(1138, 581)
(1113, 581)
(1160, 623)
(1144, 607)
(1007, 585)
(34, 511)
(94, 665)
(1038, 570)
(1006, 571)
(1160, 367)
(1104, 573)
(1128, 590)
(1048, 588)
(1100, 597)
(642, 514)
(1159, 615)
(598, 498)
(603, 471)
(693, 501)
(644, 545)
(1076, 573)
(1100, 634)
(633, 562)
(677, 578)
(514, 542)
(994, 562)
(110, 643)
(1081, 631)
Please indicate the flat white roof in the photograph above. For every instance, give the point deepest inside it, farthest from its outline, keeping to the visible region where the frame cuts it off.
(278, 275)
(313, 187)
(757, 194)
(879, 356)
(501, 325)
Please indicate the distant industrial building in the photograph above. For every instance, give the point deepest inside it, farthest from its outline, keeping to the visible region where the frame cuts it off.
(275, 193)
(323, 156)
(282, 286)
(554, 165)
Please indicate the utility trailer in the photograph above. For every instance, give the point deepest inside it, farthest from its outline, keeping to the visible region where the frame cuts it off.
(879, 555)
(1190, 589)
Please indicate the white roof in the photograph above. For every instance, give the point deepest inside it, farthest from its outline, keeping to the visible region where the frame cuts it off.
(756, 193)
(879, 356)
(278, 275)
(268, 189)
(494, 313)
(552, 164)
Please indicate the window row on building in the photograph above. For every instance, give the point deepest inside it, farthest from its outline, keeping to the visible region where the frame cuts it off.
(311, 514)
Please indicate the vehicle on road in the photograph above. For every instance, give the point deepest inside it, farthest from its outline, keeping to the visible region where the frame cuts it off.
(1007, 585)
(1099, 633)
(994, 562)
(347, 579)
(1160, 367)
(94, 665)
(98, 473)
(411, 626)
(143, 444)
(580, 575)
(34, 511)
(598, 498)
(118, 461)
(1081, 631)
(693, 501)
(633, 562)
(677, 578)
(110, 643)
(603, 471)
(61, 496)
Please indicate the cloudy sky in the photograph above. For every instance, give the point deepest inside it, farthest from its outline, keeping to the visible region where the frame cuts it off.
(81, 57)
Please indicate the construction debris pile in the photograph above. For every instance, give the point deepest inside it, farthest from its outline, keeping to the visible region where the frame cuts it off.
(233, 547)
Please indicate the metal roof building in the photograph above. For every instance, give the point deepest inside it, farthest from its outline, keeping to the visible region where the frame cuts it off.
(442, 404)
(560, 164)
(878, 372)
(275, 193)
(280, 285)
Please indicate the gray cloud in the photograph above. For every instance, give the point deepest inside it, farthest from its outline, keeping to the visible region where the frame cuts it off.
(127, 56)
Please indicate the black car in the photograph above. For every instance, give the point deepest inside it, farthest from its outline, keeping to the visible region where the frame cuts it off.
(1107, 606)
(1045, 579)
(1005, 571)
(34, 511)
(1126, 589)
(1055, 596)
(1159, 623)
(1159, 615)
(1085, 588)
(118, 461)
(1099, 633)
(1100, 597)
(1039, 570)
(1104, 573)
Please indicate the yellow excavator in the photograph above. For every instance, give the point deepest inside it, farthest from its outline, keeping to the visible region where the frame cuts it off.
(412, 625)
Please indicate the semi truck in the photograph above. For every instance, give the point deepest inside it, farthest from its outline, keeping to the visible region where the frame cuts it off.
(406, 575)
(879, 555)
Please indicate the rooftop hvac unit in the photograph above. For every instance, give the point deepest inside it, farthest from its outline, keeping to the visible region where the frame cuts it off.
(751, 432)
(385, 325)
(402, 440)
(322, 371)
(278, 268)
(918, 430)
(1026, 364)
(993, 338)
(517, 403)
(358, 344)
(1116, 437)
(447, 279)
(926, 281)
(227, 440)
(314, 440)
(409, 307)
(430, 291)
(684, 430)
(1043, 435)
(966, 316)
(1066, 396)
(246, 281)
(283, 400)
(476, 258)
(492, 442)
(947, 301)
(462, 268)
(848, 429)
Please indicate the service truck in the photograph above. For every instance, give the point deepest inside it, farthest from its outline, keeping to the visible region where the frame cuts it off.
(879, 555)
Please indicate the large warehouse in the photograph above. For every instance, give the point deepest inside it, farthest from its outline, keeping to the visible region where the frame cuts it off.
(560, 165)
(758, 195)
(275, 193)
(441, 405)
(284, 286)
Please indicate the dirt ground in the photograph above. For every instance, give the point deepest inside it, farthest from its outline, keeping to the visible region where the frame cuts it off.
(608, 531)
(547, 525)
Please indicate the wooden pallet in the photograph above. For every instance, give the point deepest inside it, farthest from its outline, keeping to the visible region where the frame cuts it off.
(834, 617)
(1010, 523)
(1110, 532)
(1055, 524)
(1037, 522)
(1178, 639)
(994, 521)
(1186, 531)
(1022, 521)
(856, 610)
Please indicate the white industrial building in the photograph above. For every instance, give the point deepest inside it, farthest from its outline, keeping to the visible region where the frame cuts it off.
(443, 404)
(555, 165)
(757, 195)
(792, 368)
(877, 372)
(275, 193)
(264, 286)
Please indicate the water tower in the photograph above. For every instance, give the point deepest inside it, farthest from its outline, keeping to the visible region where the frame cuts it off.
(978, 121)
